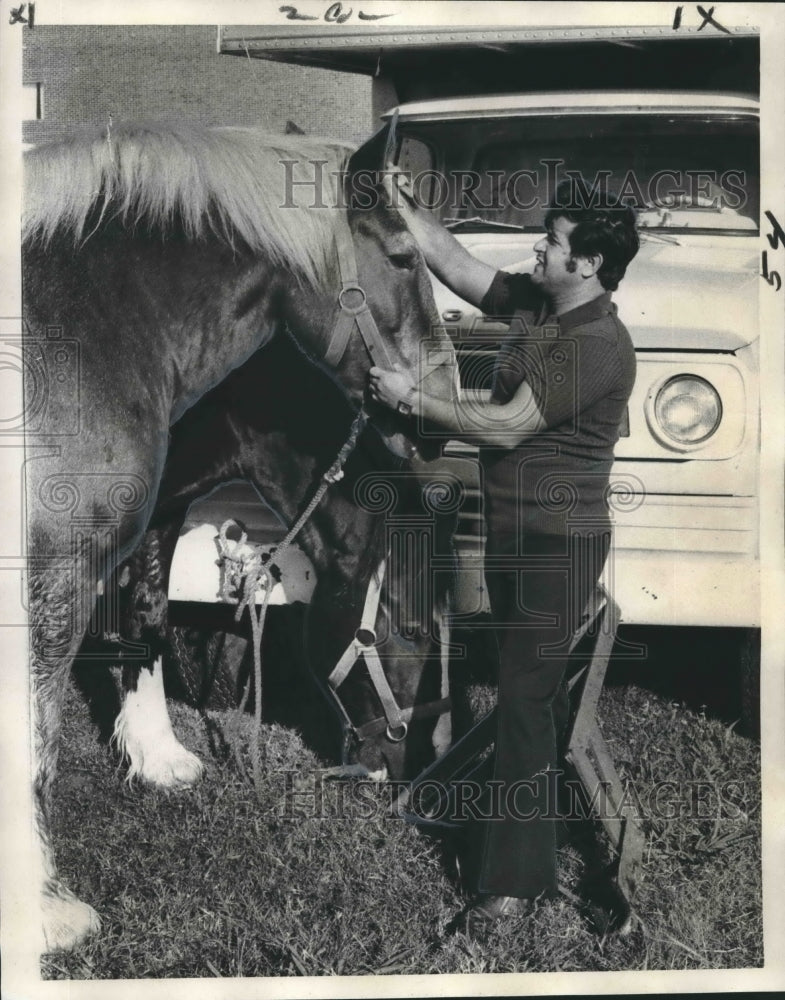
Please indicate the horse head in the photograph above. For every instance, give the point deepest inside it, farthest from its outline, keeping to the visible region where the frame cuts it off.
(383, 312)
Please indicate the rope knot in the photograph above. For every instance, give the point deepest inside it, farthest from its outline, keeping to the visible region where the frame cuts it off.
(244, 570)
(335, 472)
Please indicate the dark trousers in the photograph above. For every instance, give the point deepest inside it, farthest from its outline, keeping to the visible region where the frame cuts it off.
(538, 587)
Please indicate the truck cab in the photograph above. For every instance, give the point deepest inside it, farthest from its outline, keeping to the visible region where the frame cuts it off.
(684, 483)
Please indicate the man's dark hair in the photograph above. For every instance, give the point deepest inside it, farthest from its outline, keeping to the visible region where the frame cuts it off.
(607, 228)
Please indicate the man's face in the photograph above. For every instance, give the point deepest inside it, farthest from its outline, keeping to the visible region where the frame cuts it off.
(555, 271)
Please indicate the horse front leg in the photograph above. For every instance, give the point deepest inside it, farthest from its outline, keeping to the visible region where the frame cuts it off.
(144, 735)
(54, 641)
(143, 731)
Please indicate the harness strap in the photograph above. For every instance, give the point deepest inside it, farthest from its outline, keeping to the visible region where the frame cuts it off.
(354, 307)
(341, 670)
(340, 338)
(413, 714)
(383, 690)
(362, 646)
(367, 625)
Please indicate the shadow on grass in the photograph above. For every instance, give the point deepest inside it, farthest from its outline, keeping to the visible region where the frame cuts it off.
(705, 669)
(708, 670)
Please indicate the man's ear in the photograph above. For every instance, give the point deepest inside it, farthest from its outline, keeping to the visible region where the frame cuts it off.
(589, 266)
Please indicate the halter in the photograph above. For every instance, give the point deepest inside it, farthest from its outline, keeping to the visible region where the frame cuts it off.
(354, 308)
(395, 721)
(352, 299)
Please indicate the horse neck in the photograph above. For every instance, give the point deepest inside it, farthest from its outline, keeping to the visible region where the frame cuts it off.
(198, 308)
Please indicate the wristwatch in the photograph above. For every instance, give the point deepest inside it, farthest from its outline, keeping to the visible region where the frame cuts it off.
(404, 406)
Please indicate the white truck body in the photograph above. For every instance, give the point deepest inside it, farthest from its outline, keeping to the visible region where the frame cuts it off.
(686, 523)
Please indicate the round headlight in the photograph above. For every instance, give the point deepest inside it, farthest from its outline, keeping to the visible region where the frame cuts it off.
(687, 410)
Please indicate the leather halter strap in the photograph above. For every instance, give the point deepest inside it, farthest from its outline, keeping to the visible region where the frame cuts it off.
(413, 714)
(354, 308)
(396, 720)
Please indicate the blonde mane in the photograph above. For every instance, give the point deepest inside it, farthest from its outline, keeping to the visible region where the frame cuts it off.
(227, 181)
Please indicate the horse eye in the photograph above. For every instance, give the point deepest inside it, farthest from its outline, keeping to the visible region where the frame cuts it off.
(406, 261)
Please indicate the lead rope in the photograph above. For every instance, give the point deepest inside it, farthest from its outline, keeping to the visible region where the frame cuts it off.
(245, 572)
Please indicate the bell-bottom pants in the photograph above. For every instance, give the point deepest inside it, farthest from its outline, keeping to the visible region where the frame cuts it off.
(538, 587)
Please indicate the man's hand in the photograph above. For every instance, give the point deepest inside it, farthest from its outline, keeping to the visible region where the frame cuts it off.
(423, 224)
(392, 388)
(450, 262)
(503, 425)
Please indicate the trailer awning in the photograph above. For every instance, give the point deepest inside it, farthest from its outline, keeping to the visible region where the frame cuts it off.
(430, 61)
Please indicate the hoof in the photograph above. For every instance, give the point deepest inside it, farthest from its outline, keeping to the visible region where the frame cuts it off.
(171, 766)
(143, 734)
(67, 921)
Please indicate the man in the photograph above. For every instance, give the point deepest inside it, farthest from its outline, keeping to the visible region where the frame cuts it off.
(562, 380)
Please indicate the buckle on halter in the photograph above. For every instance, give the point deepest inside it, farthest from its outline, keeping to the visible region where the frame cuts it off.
(365, 636)
(404, 727)
(345, 295)
(404, 408)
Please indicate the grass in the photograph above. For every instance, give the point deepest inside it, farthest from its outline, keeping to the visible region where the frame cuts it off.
(225, 880)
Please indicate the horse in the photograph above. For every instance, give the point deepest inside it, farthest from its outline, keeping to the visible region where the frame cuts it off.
(155, 259)
(253, 427)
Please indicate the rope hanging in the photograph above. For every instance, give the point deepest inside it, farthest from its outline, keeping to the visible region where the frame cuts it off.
(245, 572)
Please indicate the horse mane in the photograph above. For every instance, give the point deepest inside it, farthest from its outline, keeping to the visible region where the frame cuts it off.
(228, 182)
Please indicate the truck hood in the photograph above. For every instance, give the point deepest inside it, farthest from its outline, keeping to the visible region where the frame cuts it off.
(701, 294)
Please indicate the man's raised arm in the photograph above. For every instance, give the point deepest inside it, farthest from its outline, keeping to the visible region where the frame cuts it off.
(450, 262)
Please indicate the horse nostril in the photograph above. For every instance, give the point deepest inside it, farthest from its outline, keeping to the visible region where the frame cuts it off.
(429, 450)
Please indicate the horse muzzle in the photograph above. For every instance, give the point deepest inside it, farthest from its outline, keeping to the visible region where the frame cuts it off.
(402, 435)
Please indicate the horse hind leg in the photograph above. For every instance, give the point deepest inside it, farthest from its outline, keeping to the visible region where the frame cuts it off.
(66, 920)
(143, 733)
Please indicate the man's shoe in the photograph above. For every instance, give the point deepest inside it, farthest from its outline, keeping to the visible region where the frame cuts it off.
(488, 910)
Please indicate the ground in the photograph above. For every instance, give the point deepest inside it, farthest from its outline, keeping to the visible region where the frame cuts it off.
(302, 877)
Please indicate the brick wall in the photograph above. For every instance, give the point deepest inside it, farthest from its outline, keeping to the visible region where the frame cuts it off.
(152, 72)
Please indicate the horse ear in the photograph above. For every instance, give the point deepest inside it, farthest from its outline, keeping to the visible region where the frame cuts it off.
(366, 166)
(390, 147)
(378, 152)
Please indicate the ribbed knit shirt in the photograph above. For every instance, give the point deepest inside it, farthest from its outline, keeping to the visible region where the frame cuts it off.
(581, 370)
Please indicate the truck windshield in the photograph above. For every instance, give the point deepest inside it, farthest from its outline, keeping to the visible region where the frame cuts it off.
(679, 172)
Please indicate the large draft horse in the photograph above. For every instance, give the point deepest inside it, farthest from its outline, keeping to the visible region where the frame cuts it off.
(254, 427)
(155, 260)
